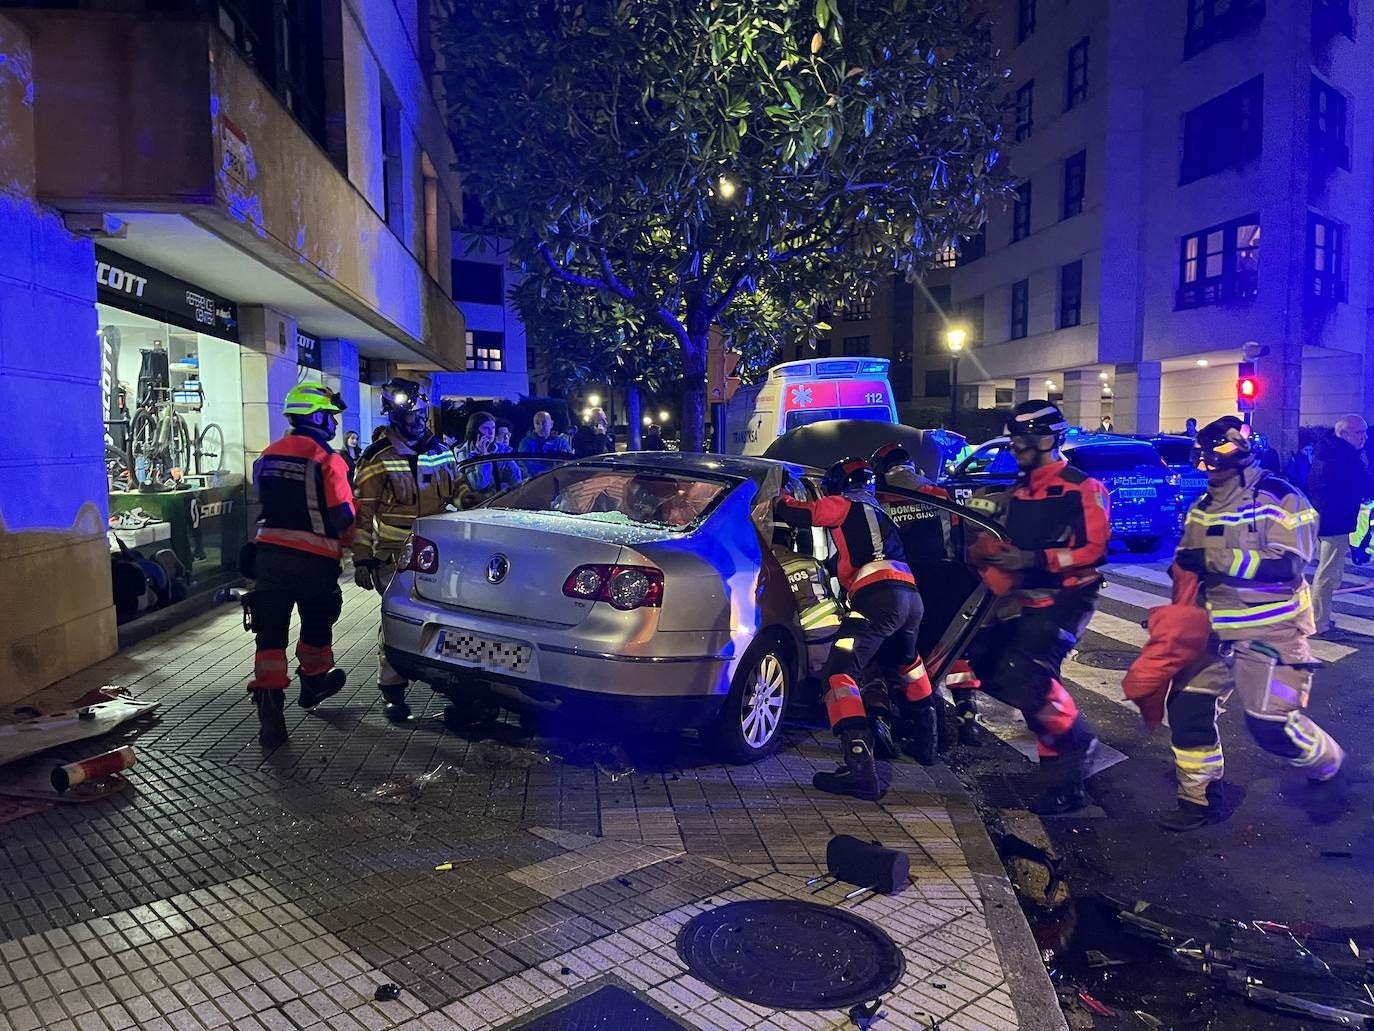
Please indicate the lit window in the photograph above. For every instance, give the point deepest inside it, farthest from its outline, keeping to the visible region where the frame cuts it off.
(486, 351)
(1220, 264)
(1077, 90)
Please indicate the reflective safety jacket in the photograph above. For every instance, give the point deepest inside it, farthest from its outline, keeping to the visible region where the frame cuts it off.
(1258, 533)
(817, 608)
(1061, 515)
(307, 504)
(868, 548)
(394, 485)
(924, 529)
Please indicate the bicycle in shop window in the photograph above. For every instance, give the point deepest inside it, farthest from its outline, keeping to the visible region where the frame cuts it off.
(162, 446)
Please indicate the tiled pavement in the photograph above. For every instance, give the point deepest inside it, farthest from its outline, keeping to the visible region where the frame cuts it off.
(228, 888)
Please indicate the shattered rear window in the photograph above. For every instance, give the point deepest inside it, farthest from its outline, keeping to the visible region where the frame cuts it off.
(639, 497)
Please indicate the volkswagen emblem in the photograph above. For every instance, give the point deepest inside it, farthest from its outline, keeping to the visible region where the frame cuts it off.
(497, 568)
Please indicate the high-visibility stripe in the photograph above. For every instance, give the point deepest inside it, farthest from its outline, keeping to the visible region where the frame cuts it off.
(314, 659)
(269, 670)
(1059, 712)
(1060, 558)
(301, 540)
(843, 700)
(917, 681)
(878, 571)
(1264, 614)
(1255, 514)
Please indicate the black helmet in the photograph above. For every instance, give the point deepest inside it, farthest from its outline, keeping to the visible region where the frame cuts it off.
(406, 407)
(1224, 444)
(889, 457)
(849, 474)
(1037, 419)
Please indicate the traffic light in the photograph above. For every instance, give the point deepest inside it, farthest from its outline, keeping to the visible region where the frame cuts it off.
(721, 382)
(1247, 387)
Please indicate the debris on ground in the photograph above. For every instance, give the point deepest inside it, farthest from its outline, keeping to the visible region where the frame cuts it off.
(388, 992)
(1101, 959)
(76, 721)
(97, 767)
(406, 790)
(1096, 1007)
(865, 1013)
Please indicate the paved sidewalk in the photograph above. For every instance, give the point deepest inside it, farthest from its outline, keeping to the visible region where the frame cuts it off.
(232, 888)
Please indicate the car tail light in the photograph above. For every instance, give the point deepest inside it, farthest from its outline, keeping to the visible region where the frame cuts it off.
(625, 587)
(420, 555)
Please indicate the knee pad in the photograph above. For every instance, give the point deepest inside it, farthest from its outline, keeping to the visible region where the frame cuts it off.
(1272, 736)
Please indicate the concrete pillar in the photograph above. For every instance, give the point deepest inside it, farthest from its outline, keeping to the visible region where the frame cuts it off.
(985, 395)
(1022, 391)
(340, 361)
(1135, 407)
(267, 343)
(1083, 399)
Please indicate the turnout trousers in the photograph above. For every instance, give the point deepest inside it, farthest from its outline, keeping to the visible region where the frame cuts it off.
(288, 579)
(1271, 673)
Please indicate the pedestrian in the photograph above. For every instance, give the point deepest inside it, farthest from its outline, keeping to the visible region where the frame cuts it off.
(653, 438)
(593, 437)
(1249, 538)
(1058, 525)
(406, 474)
(1338, 484)
(1190, 429)
(480, 440)
(352, 453)
(542, 440)
(1266, 457)
(1105, 426)
(307, 518)
(378, 432)
(1299, 467)
(882, 624)
(503, 434)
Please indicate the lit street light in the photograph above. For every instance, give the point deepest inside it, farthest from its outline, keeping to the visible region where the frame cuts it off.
(726, 188)
(594, 400)
(955, 337)
(662, 417)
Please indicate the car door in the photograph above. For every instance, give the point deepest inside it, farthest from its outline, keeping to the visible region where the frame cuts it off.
(992, 465)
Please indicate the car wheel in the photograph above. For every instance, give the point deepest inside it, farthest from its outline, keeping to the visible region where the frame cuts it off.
(750, 723)
(1142, 545)
(460, 716)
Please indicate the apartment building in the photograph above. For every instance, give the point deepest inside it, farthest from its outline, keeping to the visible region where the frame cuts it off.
(202, 202)
(1192, 176)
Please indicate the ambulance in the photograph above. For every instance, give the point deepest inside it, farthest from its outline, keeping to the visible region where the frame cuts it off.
(802, 392)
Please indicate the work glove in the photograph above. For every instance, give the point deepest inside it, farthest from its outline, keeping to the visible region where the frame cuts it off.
(362, 575)
(402, 486)
(1013, 560)
(1192, 560)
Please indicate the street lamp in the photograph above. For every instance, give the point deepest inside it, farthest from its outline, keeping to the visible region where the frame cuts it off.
(663, 417)
(594, 400)
(955, 337)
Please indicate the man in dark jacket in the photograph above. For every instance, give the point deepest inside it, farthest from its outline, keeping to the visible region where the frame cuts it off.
(1337, 485)
(594, 437)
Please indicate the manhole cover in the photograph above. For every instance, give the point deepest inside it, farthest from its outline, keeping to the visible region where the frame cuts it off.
(610, 1008)
(1107, 659)
(791, 955)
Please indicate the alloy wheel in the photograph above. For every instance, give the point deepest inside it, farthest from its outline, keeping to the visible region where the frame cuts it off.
(764, 699)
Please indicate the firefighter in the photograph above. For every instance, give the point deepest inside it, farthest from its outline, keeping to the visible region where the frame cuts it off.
(933, 542)
(1058, 525)
(1249, 537)
(406, 473)
(882, 624)
(307, 518)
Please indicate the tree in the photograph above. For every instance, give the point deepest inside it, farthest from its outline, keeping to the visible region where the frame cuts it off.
(678, 155)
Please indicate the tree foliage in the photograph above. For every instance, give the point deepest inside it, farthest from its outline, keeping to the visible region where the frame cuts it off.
(679, 157)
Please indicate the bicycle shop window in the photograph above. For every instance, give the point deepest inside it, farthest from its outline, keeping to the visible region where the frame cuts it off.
(1219, 265)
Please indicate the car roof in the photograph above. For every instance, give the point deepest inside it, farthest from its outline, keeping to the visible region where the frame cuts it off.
(1077, 440)
(745, 467)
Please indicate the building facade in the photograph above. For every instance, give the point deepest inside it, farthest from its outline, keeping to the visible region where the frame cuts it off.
(495, 355)
(1192, 176)
(202, 202)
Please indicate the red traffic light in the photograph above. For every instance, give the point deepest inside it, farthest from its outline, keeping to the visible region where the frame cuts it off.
(1248, 388)
(1247, 393)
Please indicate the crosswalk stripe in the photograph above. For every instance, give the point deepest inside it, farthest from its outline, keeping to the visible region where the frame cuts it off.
(1009, 726)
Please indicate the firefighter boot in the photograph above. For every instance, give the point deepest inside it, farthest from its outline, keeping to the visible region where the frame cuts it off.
(316, 687)
(971, 735)
(394, 706)
(1189, 816)
(1064, 791)
(270, 703)
(944, 737)
(881, 719)
(859, 775)
(924, 716)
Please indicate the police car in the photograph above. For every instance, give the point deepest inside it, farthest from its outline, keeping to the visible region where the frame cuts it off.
(1144, 491)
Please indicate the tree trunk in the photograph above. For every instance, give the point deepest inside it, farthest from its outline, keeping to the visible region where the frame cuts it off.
(694, 375)
(633, 420)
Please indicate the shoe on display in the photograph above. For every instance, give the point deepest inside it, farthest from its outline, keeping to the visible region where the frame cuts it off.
(1189, 816)
(319, 686)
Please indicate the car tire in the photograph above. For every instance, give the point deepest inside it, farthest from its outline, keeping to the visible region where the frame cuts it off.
(1141, 545)
(749, 726)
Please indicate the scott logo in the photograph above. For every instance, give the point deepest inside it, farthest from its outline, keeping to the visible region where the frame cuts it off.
(208, 510)
(117, 279)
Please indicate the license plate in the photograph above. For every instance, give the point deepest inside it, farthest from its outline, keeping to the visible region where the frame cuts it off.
(1138, 493)
(486, 652)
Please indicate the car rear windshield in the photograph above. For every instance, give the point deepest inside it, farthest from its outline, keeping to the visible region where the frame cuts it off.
(1115, 458)
(1175, 452)
(868, 413)
(669, 500)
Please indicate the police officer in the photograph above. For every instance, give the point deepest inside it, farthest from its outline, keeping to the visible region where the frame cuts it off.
(1058, 524)
(884, 618)
(406, 473)
(1249, 538)
(307, 518)
(933, 542)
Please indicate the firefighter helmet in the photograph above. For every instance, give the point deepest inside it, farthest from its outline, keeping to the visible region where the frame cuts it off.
(1037, 419)
(309, 398)
(1223, 444)
(888, 457)
(849, 474)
